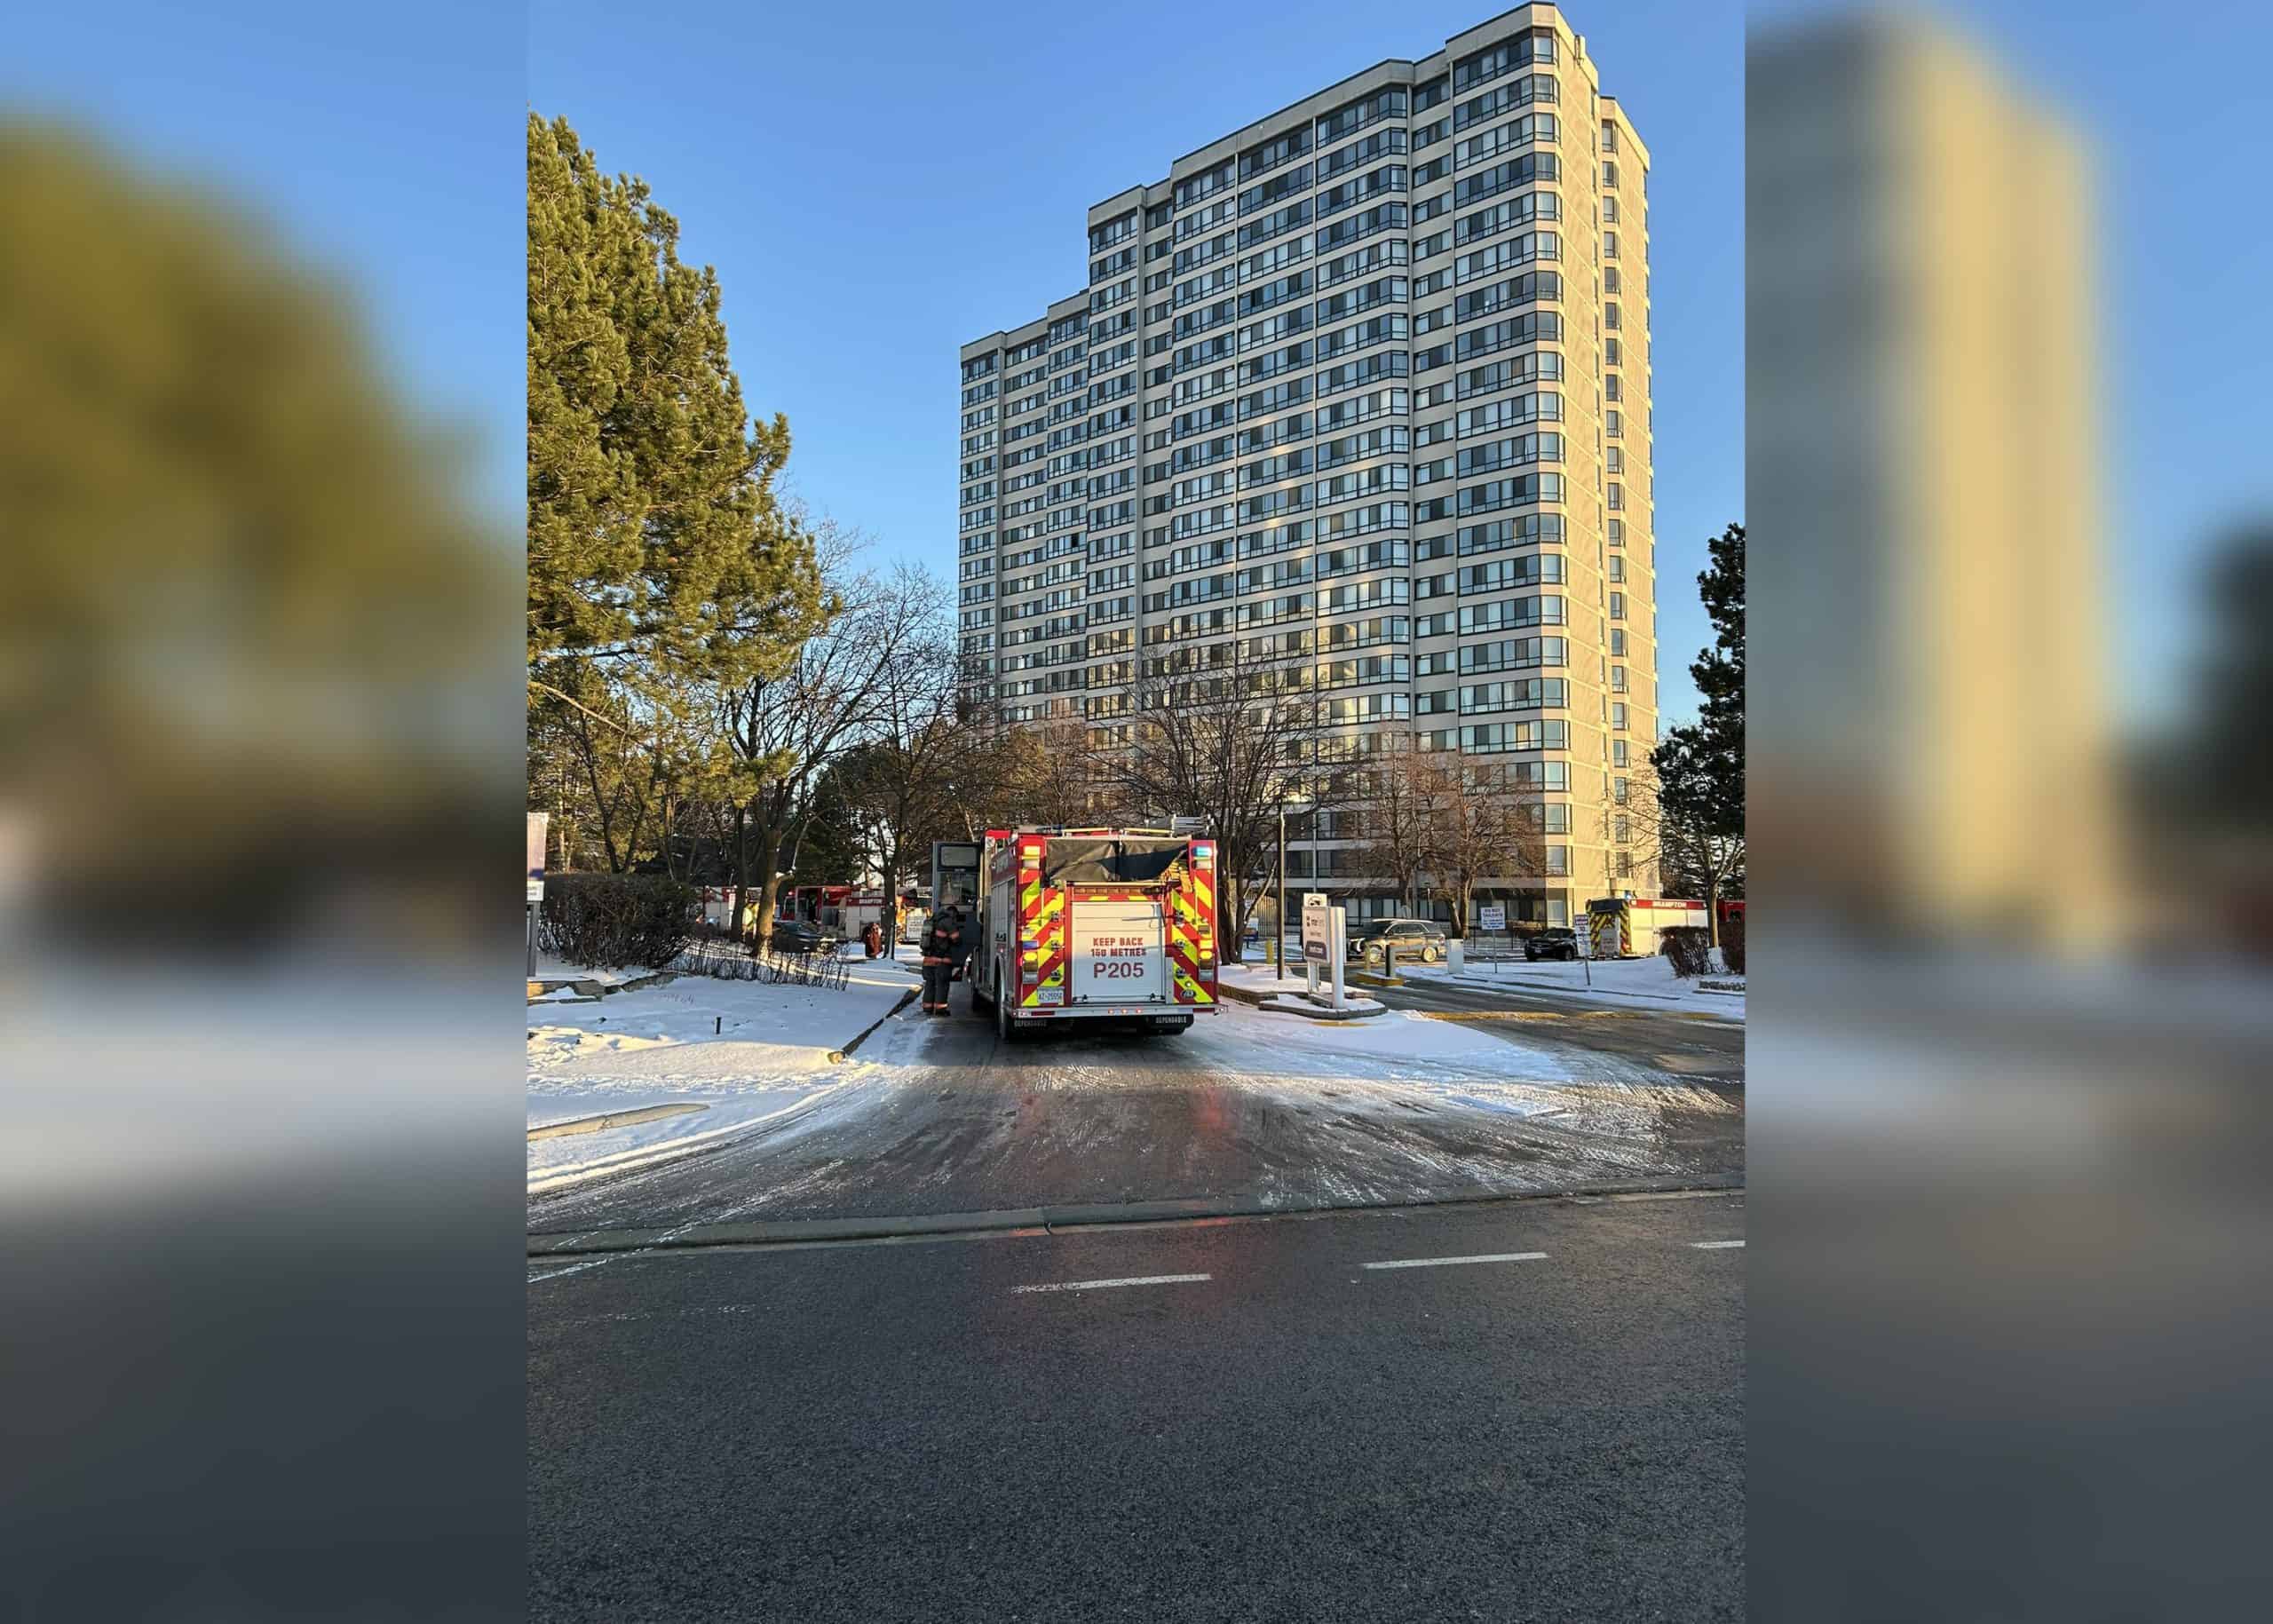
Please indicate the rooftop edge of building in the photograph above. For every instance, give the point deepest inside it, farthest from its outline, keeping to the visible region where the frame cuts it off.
(1389, 70)
(1003, 337)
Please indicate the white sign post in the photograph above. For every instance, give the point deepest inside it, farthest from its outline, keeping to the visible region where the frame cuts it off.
(1493, 917)
(1337, 944)
(539, 822)
(1316, 925)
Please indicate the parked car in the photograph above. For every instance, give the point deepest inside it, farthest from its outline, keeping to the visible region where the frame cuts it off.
(801, 936)
(1554, 942)
(1414, 938)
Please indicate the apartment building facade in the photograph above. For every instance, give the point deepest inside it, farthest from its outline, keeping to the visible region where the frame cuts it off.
(1366, 383)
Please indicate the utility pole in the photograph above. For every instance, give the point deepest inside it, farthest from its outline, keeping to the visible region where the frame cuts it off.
(1278, 951)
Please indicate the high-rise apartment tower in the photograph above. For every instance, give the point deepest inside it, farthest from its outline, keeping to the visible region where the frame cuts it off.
(1370, 379)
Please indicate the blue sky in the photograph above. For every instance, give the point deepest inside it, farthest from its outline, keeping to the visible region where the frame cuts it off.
(386, 143)
(2172, 100)
(878, 178)
(875, 195)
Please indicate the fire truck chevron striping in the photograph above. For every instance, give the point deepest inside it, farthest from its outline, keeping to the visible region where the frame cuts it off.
(1095, 923)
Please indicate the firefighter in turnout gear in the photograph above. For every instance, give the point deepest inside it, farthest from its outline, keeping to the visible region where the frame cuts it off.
(943, 950)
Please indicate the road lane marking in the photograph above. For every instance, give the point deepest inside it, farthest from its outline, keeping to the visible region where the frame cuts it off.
(1438, 1262)
(1714, 1246)
(1141, 1280)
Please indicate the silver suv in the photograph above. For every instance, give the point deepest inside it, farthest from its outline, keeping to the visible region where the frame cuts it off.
(1415, 939)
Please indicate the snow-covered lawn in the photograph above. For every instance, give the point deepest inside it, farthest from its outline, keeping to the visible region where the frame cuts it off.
(1627, 983)
(551, 969)
(743, 1050)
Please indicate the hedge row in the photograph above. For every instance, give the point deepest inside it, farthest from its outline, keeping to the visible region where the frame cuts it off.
(610, 920)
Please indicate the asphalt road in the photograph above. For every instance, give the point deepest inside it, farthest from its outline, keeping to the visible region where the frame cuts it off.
(1676, 1042)
(1259, 1111)
(909, 1431)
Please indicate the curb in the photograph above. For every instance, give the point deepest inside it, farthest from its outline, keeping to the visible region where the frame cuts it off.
(1255, 999)
(1051, 1220)
(1528, 985)
(836, 1056)
(617, 1119)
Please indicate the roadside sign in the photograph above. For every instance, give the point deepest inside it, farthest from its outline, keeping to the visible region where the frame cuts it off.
(538, 821)
(1184, 823)
(1495, 918)
(1316, 927)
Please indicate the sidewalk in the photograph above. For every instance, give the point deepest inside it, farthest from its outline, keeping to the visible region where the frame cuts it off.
(677, 1065)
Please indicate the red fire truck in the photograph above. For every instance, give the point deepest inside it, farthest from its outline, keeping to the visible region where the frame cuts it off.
(1095, 924)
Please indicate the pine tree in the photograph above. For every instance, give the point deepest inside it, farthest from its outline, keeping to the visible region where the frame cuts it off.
(655, 536)
(1700, 765)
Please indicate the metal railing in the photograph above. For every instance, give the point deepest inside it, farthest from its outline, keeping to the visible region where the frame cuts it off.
(727, 961)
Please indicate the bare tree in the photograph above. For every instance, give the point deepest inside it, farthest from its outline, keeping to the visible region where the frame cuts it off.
(624, 751)
(1403, 788)
(904, 785)
(1050, 776)
(1670, 853)
(836, 694)
(1228, 733)
(1478, 835)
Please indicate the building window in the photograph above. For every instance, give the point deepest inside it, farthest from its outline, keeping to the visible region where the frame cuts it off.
(1610, 245)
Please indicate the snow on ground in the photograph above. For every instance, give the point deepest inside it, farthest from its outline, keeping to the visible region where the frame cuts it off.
(1403, 1070)
(744, 1050)
(1401, 1044)
(1263, 978)
(551, 969)
(1627, 983)
(1383, 1062)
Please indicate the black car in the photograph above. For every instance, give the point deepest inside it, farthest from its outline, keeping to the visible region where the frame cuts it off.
(1415, 939)
(801, 936)
(1554, 942)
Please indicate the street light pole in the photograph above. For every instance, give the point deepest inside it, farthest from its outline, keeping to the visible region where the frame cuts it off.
(1280, 954)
